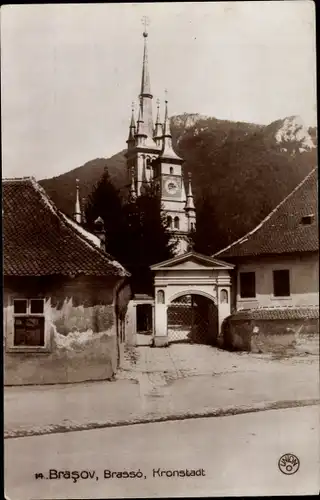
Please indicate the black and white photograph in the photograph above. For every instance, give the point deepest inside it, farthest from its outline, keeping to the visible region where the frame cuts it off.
(160, 250)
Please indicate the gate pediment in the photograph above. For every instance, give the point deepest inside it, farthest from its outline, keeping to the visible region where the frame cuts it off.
(192, 261)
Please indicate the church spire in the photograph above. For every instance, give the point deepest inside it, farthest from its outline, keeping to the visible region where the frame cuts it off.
(145, 93)
(77, 212)
(158, 131)
(167, 149)
(190, 208)
(141, 130)
(132, 129)
(145, 80)
(190, 202)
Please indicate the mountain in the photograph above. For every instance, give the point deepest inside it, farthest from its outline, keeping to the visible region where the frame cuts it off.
(62, 187)
(241, 170)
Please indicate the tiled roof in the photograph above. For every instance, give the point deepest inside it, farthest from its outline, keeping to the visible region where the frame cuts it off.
(39, 240)
(276, 313)
(282, 231)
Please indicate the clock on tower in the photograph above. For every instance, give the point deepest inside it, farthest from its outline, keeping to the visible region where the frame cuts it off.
(171, 187)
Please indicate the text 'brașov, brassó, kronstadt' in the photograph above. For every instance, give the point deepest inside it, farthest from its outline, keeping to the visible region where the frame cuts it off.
(76, 475)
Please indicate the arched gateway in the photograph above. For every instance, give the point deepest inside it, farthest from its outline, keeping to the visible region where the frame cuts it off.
(193, 318)
(192, 298)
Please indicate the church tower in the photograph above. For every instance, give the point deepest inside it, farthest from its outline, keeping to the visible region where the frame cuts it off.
(152, 160)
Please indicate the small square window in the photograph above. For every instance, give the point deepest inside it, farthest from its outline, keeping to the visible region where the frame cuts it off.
(247, 285)
(36, 306)
(20, 306)
(281, 283)
(307, 219)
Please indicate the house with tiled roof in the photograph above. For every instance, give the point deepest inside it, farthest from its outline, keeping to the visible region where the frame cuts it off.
(277, 263)
(63, 294)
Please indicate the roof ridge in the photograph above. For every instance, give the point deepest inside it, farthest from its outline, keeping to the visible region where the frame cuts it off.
(250, 233)
(83, 237)
(64, 220)
(26, 178)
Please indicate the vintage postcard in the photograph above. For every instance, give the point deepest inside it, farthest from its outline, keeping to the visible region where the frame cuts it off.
(161, 251)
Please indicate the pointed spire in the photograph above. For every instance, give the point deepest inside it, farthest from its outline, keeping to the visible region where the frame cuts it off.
(132, 129)
(145, 80)
(190, 203)
(145, 92)
(140, 132)
(158, 130)
(167, 149)
(77, 211)
(132, 192)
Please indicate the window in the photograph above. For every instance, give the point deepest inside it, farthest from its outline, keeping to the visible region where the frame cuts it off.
(281, 283)
(28, 320)
(307, 219)
(171, 170)
(247, 285)
(193, 226)
(169, 221)
(176, 223)
(224, 297)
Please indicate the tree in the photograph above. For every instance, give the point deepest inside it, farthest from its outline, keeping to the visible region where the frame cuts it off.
(136, 232)
(105, 202)
(204, 237)
(150, 240)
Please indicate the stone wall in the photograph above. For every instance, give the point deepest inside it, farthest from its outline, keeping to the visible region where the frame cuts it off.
(278, 335)
(80, 330)
(73, 358)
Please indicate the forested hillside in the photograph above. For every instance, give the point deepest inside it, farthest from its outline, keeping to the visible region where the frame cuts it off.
(240, 171)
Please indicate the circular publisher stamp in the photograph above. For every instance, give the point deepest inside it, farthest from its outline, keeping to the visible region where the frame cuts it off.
(289, 464)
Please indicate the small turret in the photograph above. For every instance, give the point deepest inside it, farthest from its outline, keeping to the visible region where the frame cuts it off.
(132, 130)
(99, 231)
(190, 208)
(167, 149)
(141, 134)
(77, 212)
(158, 130)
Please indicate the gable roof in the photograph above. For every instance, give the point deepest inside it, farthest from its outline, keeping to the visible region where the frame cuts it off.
(195, 257)
(39, 240)
(282, 232)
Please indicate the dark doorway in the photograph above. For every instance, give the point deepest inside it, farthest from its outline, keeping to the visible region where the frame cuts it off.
(192, 319)
(144, 319)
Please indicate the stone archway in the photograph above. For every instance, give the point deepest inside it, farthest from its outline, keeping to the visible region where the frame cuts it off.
(192, 318)
(194, 275)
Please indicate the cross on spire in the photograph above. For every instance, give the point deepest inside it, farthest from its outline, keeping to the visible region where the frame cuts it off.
(165, 95)
(145, 21)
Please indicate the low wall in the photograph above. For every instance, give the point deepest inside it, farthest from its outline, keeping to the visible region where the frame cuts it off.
(295, 332)
(77, 357)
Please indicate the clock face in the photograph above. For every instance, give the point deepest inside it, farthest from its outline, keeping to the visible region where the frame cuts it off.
(171, 187)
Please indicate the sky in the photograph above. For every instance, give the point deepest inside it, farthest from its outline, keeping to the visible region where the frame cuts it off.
(71, 71)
